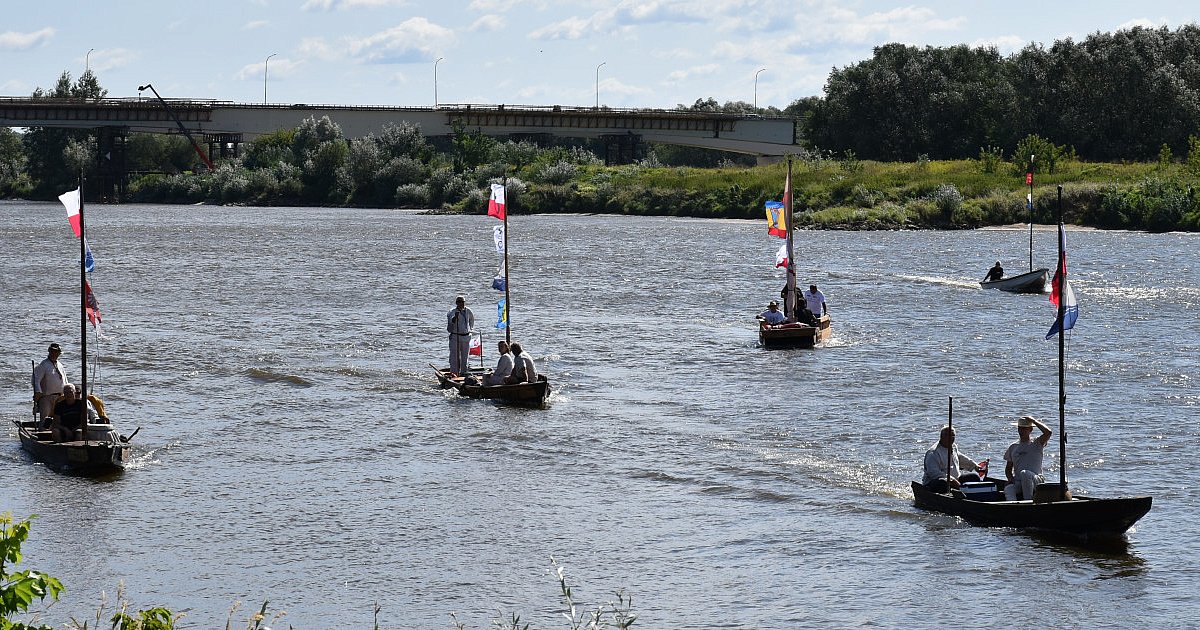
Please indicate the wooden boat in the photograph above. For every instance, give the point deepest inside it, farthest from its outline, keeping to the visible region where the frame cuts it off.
(794, 334)
(791, 333)
(1029, 282)
(1053, 507)
(534, 394)
(99, 449)
(520, 394)
(1034, 280)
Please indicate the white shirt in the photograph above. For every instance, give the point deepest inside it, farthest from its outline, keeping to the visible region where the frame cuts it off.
(815, 301)
(935, 463)
(49, 377)
(773, 317)
(504, 366)
(460, 322)
(1025, 456)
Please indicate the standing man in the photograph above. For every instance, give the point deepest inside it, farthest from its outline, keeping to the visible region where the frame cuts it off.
(459, 323)
(816, 301)
(1023, 459)
(48, 381)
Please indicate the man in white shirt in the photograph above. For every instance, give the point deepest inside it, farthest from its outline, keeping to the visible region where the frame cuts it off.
(459, 323)
(523, 369)
(48, 381)
(1023, 459)
(945, 453)
(772, 315)
(816, 301)
(504, 366)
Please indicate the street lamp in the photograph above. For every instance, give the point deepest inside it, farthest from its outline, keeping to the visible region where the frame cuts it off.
(265, 68)
(756, 90)
(598, 84)
(87, 61)
(435, 100)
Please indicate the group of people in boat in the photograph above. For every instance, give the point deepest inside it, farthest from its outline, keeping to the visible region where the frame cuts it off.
(1022, 468)
(514, 365)
(809, 312)
(59, 405)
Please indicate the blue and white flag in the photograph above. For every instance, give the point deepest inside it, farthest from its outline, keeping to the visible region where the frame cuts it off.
(502, 314)
(1061, 290)
(498, 236)
(89, 262)
(1070, 314)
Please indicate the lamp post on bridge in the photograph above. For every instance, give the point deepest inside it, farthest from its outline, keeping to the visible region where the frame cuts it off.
(435, 98)
(87, 61)
(598, 84)
(756, 90)
(266, 67)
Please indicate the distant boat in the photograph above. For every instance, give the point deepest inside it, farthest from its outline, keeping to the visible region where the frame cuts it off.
(791, 333)
(1053, 507)
(99, 448)
(1034, 280)
(471, 385)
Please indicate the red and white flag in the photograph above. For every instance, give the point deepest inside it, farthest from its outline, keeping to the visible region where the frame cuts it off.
(476, 347)
(781, 259)
(70, 199)
(93, 307)
(496, 203)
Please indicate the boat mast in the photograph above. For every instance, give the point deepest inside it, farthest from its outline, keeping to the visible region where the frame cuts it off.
(789, 302)
(1029, 180)
(83, 320)
(507, 301)
(1062, 315)
(949, 447)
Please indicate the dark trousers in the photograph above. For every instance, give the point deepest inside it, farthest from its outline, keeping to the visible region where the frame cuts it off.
(939, 485)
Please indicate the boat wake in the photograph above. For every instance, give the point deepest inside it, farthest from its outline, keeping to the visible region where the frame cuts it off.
(271, 376)
(946, 282)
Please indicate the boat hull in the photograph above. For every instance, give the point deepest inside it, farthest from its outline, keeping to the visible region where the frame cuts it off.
(86, 457)
(520, 394)
(794, 335)
(1082, 516)
(1031, 282)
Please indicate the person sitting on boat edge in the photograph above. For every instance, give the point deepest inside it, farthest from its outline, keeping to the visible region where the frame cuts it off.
(1023, 459)
(995, 273)
(48, 381)
(504, 366)
(459, 323)
(805, 316)
(772, 315)
(523, 370)
(936, 460)
(68, 415)
(815, 301)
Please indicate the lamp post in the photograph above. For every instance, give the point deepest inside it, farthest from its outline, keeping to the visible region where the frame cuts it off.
(435, 98)
(598, 84)
(756, 90)
(266, 66)
(87, 61)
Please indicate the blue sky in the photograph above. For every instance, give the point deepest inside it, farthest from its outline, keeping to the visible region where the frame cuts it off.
(655, 53)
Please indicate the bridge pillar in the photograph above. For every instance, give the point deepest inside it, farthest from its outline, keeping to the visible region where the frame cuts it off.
(112, 173)
(223, 145)
(625, 148)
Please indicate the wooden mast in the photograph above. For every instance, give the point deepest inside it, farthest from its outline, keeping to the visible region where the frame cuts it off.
(83, 320)
(789, 302)
(1030, 179)
(1062, 333)
(507, 302)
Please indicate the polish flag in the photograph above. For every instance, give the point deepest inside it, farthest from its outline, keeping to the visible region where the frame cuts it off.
(70, 200)
(496, 203)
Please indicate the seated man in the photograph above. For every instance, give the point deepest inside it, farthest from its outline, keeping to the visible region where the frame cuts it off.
(806, 317)
(1023, 459)
(68, 417)
(523, 370)
(504, 366)
(995, 273)
(936, 460)
(772, 315)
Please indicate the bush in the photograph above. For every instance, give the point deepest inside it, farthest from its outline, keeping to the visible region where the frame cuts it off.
(1046, 155)
(947, 199)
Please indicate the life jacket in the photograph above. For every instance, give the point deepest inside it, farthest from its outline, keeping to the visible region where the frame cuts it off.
(98, 405)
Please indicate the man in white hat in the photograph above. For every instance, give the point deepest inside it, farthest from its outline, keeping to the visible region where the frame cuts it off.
(1023, 459)
(772, 315)
(49, 377)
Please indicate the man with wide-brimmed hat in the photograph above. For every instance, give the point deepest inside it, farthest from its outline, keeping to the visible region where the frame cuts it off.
(1023, 459)
(48, 381)
(772, 315)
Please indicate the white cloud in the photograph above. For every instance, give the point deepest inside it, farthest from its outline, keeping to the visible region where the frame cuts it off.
(415, 39)
(256, 24)
(13, 40)
(15, 87)
(707, 69)
(1142, 22)
(317, 48)
(1004, 44)
(112, 58)
(345, 5)
(279, 68)
(570, 28)
(622, 18)
(488, 23)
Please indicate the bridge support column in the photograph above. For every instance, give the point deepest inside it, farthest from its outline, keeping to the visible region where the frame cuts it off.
(625, 148)
(112, 173)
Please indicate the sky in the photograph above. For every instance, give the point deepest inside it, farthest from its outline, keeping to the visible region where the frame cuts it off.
(621, 54)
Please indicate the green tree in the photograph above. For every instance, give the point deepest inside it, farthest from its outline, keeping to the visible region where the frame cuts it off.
(469, 148)
(13, 179)
(18, 589)
(45, 147)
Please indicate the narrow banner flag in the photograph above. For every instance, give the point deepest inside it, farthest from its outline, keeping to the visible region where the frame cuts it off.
(781, 258)
(89, 262)
(93, 307)
(498, 236)
(498, 283)
(1061, 291)
(70, 200)
(476, 347)
(496, 203)
(502, 313)
(776, 223)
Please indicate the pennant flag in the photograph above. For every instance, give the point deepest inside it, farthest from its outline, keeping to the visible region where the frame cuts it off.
(93, 307)
(70, 200)
(1029, 201)
(89, 262)
(496, 203)
(499, 284)
(502, 313)
(781, 259)
(476, 347)
(498, 236)
(1061, 291)
(776, 224)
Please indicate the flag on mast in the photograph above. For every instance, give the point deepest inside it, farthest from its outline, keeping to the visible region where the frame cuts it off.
(781, 257)
(71, 200)
(776, 222)
(93, 307)
(502, 313)
(1061, 291)
(476, 347)
(496, 202)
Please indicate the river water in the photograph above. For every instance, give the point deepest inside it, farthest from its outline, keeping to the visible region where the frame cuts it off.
(295, 448)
